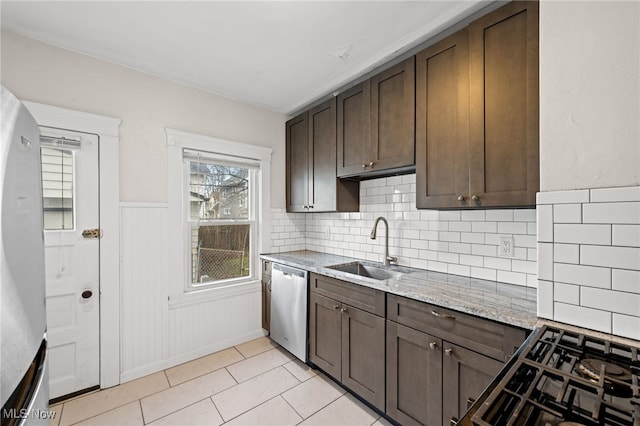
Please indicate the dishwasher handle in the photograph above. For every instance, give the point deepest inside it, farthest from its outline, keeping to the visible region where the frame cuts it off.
(289, 271)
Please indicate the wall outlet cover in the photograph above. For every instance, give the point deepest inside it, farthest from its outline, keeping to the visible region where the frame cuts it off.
(506, 249)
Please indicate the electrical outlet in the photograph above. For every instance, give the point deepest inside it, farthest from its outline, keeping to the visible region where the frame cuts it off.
(505, 249)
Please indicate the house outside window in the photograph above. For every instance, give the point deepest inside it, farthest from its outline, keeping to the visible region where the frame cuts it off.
(219, 201)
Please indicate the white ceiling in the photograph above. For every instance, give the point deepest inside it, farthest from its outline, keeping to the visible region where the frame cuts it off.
(276, 55)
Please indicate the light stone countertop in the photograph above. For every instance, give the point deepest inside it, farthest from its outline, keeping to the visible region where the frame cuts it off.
(506, 303)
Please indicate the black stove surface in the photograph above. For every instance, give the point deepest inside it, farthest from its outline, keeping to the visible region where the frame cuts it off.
(560, 377)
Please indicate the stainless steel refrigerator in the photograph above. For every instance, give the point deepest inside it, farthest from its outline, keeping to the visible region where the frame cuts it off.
(24, 388)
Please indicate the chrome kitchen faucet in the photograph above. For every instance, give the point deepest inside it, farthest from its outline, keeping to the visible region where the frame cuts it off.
(387, 259)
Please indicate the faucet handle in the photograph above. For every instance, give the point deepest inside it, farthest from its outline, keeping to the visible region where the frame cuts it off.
(392, 260)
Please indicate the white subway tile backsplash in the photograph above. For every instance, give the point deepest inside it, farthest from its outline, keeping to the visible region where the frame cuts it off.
(626, 235)
(582, 234)
(608, 300)
(524, 266)
(566, 253)
(626, 325)
(589, 258)
(616, 257)
(524, 215)
(473, 215)
(484, 227)
(466, 259)
(628, 213)
(566, 293)
(497, 263)
(545, 223)
(473, 238)
(613, 195)
(545, 299)
(625, 280)
(581, 316)
(583, 275)
(512, 278)
(563, 197)
(484, 273)
(567, 213)
(462, 270)
(529, 241)
(512, 228)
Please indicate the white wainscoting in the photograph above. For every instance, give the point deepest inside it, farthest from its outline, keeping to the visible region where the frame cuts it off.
(157, 333)
(143, 283)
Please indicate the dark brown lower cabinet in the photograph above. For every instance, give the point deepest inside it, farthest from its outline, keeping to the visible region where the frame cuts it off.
(465, 374)
(414, 376)
(431, 381)
(348, 344)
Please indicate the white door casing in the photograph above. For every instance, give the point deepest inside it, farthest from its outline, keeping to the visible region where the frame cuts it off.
(72, 264)
(107, 129)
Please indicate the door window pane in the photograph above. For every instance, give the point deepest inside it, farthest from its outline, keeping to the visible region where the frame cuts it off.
(57, 188)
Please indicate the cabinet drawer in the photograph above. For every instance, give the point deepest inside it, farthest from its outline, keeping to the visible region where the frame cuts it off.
(365, 298)
(266, 267)
(498, 341)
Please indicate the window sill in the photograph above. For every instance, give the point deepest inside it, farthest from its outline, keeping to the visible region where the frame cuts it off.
(210, 294)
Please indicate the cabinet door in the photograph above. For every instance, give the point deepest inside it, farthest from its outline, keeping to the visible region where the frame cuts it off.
(326, 192)
(297, 159)
(363, 354)
(325, 328)
(393, 118)
(465, 375)
(442, 124)
(322, 157)
(353, 129)
(414, 376)
(504, 159)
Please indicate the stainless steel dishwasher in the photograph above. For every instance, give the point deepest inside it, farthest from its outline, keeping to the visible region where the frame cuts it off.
(289, 300)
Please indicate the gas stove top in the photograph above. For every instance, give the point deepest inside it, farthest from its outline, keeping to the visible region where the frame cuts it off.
(565, 378)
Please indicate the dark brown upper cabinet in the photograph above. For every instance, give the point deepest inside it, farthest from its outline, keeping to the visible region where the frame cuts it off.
(503, 113)
(442, 124)
(312, 185)
(376, 124)
(477, 127)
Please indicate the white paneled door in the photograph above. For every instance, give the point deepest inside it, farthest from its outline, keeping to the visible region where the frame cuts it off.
(72, 230)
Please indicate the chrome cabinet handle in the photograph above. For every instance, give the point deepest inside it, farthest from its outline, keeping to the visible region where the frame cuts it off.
(371, 164)
(445, 316)
(343, 310)
(336, 306)
(310, 206)
(460, 197)
(448, 352)
(364, 166)
(433, 345)
(475, 197)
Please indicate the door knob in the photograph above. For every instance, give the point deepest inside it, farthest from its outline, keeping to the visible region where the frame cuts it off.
(460, 197)
(475, 197)
(87, 294)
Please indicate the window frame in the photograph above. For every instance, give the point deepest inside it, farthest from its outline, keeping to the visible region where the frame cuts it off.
(180, 292)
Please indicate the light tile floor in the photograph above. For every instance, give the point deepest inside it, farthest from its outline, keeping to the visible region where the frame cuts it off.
(254, 384)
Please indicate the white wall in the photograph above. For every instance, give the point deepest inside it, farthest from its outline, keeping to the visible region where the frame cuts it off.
(155, 333)
(589, 94)
(146, 104)
(589, 210)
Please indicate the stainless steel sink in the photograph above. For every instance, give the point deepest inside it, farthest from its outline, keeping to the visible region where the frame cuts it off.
(367, 271)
